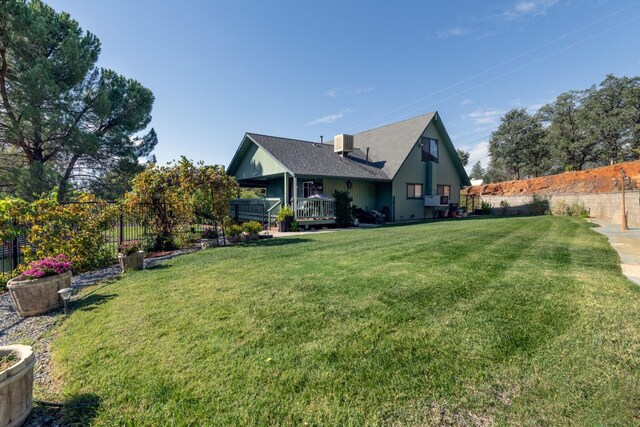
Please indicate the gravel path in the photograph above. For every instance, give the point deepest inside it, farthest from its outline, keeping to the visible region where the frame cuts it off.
(33, 331)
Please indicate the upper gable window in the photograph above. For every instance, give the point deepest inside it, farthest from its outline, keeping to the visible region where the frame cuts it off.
(430, 149)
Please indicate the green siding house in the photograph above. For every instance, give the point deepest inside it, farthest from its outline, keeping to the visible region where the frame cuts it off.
(406, 170)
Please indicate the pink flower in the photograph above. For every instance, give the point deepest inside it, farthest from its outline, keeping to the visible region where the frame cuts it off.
(47, 267)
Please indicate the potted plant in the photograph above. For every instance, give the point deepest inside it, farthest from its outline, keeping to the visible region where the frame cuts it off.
(16, 383)
(130, 256)
(285, 218)
(209, 238)
(35, 290)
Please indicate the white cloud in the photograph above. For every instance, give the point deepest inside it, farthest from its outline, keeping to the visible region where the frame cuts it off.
(361, 90)
(484, 117)
(453, 32)
(347, 91)
(467, 101)
(330, 118)
(524, 8)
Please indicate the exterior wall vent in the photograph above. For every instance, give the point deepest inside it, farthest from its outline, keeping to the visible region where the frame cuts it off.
(343, 144)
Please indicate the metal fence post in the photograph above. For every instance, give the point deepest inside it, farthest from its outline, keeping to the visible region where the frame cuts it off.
(15, 249)
(121, 229)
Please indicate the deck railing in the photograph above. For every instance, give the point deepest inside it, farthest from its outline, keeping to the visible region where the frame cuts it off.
(316, 208)
(261, 210)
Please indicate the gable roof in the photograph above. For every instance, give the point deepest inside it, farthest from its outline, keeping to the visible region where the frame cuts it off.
(389, 147)
(308, 158)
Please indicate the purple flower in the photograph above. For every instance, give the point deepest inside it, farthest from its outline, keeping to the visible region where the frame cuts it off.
(47, 267)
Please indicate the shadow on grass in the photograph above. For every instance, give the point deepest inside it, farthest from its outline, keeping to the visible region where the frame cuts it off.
(280, 241)
(80, 409)
(157, 267)
(91, 302)
(453, 220)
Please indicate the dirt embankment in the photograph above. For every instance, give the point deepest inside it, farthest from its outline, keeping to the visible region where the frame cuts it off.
(598, 180)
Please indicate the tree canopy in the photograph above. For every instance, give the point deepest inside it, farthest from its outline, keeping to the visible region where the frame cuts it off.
(63, 121)
(580, 129)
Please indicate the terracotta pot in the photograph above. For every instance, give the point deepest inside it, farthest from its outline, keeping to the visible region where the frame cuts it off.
(16, 386)
(131, 262)
(38, 296)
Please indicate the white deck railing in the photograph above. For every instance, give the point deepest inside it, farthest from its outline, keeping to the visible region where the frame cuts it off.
(316, 208)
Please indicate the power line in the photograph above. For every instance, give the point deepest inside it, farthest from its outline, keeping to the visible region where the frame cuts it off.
(529, 64)
(507, 62)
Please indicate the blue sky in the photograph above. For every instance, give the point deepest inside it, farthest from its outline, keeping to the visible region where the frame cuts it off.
(305, 69)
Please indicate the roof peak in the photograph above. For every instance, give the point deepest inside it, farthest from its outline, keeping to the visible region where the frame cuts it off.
(290, 139)
(398, 122)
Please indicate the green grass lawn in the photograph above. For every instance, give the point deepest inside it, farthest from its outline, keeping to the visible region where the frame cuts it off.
(496, 321)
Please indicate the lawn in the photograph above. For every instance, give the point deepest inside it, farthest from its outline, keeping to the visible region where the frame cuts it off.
(495, 321)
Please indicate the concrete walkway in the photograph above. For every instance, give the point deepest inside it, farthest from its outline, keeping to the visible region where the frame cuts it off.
(627, 243)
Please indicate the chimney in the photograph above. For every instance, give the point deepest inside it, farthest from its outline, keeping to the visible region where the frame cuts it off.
(367, 159)
(321, 139)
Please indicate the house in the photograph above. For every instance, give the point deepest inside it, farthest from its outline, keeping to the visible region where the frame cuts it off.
(406, 170)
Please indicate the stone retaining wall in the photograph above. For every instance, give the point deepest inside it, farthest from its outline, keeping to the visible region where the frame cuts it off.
(600, 205)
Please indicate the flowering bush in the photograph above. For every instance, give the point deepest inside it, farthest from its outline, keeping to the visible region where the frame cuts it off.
(46, 267)
(77, 229)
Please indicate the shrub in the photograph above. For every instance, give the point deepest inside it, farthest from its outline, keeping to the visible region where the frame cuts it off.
(148, 243)
(575, 208)
(538, 206)
(295, 226)
(485, 207)
(234, 230)
(560, 208)
(504, 204)
(344, 214)
(77, 229)
(4, 278)
(252, 227)
(45, 267)
(284, 212)
(210, 233)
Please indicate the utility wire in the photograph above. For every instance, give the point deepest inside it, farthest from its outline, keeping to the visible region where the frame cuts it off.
(505, 63)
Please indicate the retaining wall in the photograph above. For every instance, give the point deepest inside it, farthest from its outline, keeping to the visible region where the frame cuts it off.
(600, 205)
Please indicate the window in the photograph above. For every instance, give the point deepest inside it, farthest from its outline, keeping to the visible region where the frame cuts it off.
(414, 191)
(310, 188)
(444, 191)
(429, 149)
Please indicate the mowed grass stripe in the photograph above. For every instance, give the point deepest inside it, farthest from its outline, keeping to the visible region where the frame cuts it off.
(511, 320)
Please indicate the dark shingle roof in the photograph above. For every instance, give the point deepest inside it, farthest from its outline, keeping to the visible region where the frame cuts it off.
(388, 146)
(308, 158)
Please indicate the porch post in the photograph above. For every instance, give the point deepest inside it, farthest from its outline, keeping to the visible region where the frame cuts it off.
(286, 188)
(295, 197)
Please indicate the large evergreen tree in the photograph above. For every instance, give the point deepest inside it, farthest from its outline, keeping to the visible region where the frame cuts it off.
(516, 146)
(68, 120)
(571, 142)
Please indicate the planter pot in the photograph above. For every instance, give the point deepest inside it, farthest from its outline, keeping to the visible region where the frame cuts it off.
(285, 225)
(16, 385)
(209, 243)
(38, 296)
(131, 262)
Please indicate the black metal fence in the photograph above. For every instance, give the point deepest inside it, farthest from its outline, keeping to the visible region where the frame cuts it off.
(128, 225)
